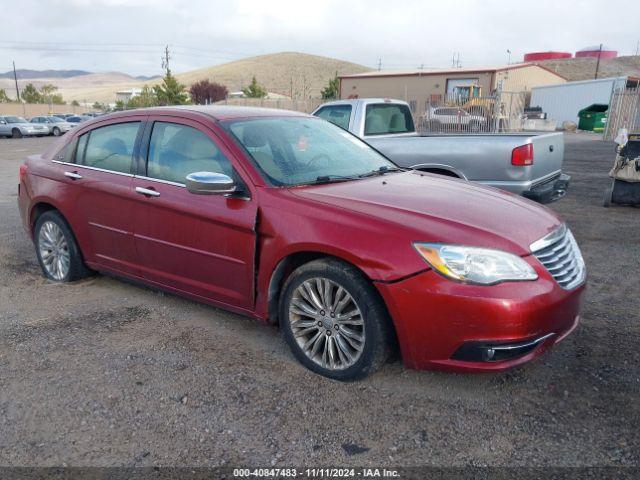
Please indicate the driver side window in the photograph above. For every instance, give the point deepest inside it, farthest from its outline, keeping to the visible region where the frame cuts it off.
(177, 150)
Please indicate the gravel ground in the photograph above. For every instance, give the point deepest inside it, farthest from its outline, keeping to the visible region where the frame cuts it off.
(104, 373)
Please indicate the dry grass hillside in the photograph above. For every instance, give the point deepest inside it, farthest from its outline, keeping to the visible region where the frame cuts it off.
(285, 73)
(585, 68)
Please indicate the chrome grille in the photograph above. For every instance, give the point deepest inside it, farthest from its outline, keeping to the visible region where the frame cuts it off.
(560, 255)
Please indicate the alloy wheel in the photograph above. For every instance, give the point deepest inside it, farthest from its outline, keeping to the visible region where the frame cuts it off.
(327, 323)
(54, 250)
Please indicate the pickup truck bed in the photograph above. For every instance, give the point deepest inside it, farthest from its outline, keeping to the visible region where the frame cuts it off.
(487, 158)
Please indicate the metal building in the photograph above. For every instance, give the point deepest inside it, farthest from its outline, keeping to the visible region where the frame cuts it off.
(563, 101)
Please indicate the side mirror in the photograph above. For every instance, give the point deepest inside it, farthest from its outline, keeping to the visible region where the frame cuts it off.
(209, 183)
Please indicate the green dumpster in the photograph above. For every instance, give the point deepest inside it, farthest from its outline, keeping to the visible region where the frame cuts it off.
(593, 118)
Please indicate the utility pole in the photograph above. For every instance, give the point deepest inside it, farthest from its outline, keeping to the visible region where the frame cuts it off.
(15, 79)
(508, 57)
(638, 48)
(379, 64)
(598, 62)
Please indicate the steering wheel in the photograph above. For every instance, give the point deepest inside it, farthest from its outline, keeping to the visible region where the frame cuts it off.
(317, 159)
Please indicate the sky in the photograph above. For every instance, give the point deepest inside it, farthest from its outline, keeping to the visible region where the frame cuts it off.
(129, 35)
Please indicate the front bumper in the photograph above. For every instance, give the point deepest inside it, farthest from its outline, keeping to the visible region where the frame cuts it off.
(443, 325)
(549, 191)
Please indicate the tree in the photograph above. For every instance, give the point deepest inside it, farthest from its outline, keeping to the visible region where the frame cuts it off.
(331, 91)
(170, 92)
(30, 94)
(57, 99)
(46, 92)
(3, 96)
(205, 92)
(146, 98)
(254, 90)
(99, 106)
(75, 103)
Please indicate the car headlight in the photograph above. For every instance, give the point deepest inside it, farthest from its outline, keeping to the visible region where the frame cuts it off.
(482, 266)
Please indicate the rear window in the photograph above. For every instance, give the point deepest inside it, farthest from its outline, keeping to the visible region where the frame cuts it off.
(109, 148)
(337, 114)
(385, 118)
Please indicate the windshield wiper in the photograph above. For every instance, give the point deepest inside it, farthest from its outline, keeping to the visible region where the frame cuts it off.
(381, 171)
(333, 178)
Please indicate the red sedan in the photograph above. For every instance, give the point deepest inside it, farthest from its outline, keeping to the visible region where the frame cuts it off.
(289, 219)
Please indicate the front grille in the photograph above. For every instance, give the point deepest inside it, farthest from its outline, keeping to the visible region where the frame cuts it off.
(560, 255)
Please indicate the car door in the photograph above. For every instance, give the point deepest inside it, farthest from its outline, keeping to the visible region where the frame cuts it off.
(203, 245)
(98, 174)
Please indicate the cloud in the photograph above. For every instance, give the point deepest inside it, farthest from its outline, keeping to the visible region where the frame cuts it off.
(128, 35)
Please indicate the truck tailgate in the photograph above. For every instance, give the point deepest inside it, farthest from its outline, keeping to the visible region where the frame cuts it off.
(548, 153)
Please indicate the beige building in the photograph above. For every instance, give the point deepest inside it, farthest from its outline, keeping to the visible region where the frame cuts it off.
(423, 87)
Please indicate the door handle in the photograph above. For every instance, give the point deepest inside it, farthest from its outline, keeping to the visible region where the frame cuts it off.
(147, 191)
(73, 175)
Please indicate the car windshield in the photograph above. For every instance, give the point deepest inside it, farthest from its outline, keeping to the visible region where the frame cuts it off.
(296, 151)
(15, 120)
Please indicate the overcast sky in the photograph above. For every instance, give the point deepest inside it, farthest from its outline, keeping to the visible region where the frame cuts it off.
(128, 35)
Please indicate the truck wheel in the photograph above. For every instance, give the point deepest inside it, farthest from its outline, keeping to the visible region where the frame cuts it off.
(334, 321)
(57, 250)
(16, 133)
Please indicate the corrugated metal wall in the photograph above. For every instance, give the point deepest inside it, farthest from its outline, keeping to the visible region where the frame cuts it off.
(563, 101)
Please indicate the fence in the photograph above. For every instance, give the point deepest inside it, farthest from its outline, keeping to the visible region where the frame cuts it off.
(624, 112)
(29, 110)
(306, 105)
(501, 112)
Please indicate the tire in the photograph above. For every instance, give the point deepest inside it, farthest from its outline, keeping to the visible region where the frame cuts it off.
(71, 270)
(331, 334)
(56, 131)
(16, 133)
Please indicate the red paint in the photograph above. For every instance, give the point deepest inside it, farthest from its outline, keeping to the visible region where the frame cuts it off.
(595, 53)
(537, 56)
(224, 251)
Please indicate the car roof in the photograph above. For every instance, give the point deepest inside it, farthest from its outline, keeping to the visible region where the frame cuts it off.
(217, 112)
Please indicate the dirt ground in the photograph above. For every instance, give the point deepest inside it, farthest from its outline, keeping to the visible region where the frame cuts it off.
(104, 373)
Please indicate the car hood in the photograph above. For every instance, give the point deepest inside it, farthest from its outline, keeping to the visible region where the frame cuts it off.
(433, 208)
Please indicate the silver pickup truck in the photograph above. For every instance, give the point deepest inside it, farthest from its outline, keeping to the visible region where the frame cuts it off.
(525, 164)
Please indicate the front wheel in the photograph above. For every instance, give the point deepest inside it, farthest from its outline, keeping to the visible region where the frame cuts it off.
(58, 253)
(334, 321)
(56, 131)
(16, 133)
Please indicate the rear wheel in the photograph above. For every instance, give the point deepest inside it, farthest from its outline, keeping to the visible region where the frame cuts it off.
(56, 131)
(57, 250)
(334, 321)
(16, 133)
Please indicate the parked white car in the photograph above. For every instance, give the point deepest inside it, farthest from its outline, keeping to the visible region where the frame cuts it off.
(456, 118)
(56, 125)
(18, 127)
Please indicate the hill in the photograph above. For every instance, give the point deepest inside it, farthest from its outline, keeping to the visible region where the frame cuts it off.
(585, 68)
(29, 74)
(287, 73)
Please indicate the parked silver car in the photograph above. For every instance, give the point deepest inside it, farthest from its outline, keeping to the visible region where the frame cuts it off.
(56, 125)
(18, 127)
